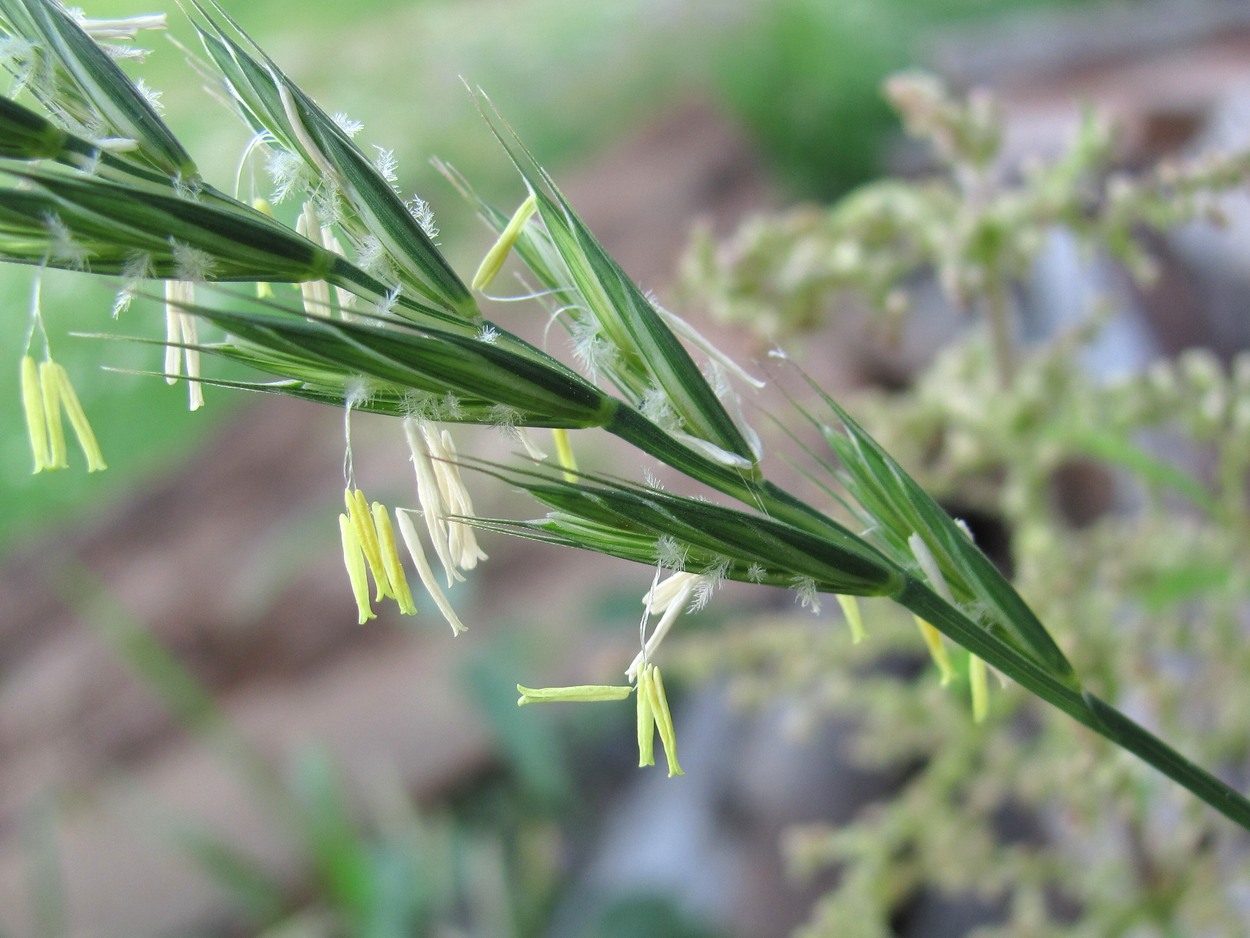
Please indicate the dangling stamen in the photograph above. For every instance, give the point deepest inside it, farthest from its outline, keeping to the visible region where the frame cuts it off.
(429, 495)
(412, 541)
(36, 421)
(850, 609)
(461, 539)
(669, 598)
(493, 262)
(181, 337)
(354, 560)
(932, 637)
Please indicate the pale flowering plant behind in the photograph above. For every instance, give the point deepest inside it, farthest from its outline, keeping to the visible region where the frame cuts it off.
(377, 320)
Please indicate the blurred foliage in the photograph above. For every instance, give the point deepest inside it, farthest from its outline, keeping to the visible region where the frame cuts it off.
(489, 858)
(647, 917)
(1146, 583)
(805, 77)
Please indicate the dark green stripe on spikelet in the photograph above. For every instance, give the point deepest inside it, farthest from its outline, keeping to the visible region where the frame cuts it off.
(110, 220)
(102, 87)
(530, 390)
(370, 202)
(837, 561)
(25, 135)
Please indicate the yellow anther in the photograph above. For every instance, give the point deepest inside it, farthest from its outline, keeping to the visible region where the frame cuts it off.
(354, 560)
(653, 712)
(663, 720)
(580, 693)
(46, 392)
(367, 535)
(36, 421)
(850, 609)
(564, 454)
(390, 560)
(493, 262)
(937, 650)
(977, 680)
(50, 388)
(646, 719)
(78, 420)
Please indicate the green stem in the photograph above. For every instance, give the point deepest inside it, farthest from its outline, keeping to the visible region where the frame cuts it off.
(767, 498)
(1082, 706)
(994, 650)
(1154, 752)
(999, 311)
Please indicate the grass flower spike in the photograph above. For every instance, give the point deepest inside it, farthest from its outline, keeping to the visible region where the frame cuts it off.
(47, 394)
(93, 181)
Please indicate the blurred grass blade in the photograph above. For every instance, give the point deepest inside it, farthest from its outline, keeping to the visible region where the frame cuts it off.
(176, 687)
(1151, 469)
(337, 849)
(49, 901)
(240, 877)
